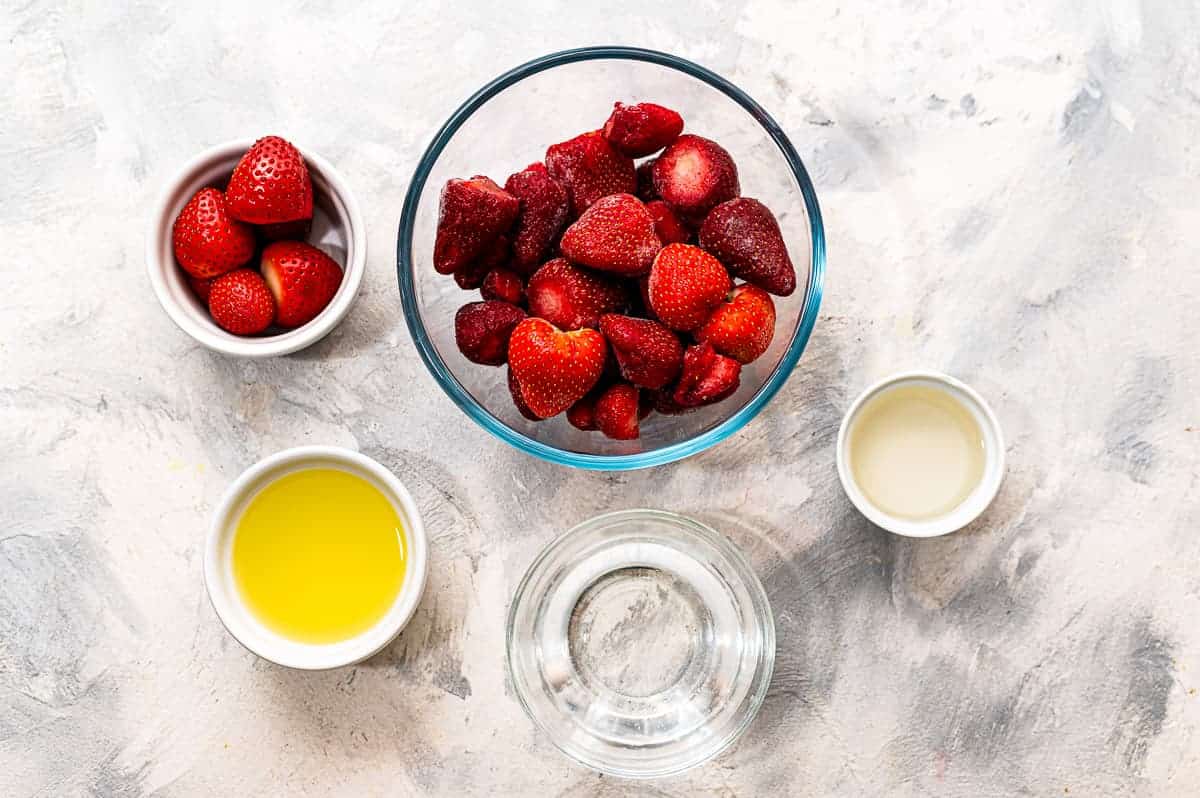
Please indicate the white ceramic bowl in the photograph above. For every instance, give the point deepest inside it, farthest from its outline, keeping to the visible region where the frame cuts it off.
(218, 566)
(975, 503)
(338, 229)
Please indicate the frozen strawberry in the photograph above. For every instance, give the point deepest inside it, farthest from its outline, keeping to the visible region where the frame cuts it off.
(667, 226)
(544, 209)
(495, 254)
(642, 129)
(570, 297)
(297, 230)
(270, 184)
(695, 175)
(482, 330)
(471, 215)
(515, 390)
(504, 285)
(743, 326)
(744, 235)
(201, 288)
(241, 303)
(615, 234)
(617, 410)
(302, 278)
(664, 402)
(554, 369)
(645, 182)
(707, 377)
(207, 240)
(582, 414)
(590, 168)
(648, 354)
(686, 283)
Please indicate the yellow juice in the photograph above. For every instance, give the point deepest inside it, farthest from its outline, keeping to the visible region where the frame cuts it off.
(318, 555)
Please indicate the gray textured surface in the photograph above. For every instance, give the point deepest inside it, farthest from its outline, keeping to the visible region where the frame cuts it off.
(1011, 195)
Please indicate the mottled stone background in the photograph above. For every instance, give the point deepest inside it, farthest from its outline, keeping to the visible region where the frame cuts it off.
(1011, 192)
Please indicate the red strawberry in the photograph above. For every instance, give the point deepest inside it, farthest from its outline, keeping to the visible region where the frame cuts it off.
(686, 283)
(590, 168)
(641, 129)
(471, 215)
(707, 377)
(664, 402)
(615, 234)
(569, 297)
(241, 303)
(645, 182)
(201, 288)
(648, 353)
(297, 230)
(483, 330)
(515, 390)
(617, 411)
(207, 240)
(695, 175)
(544, 209)
(667, 226)
(302, 278)
(495, 254)
(555, 369)
(741, 327)
(743, 233)
(582, 414)
(270, 184)
(504, 285)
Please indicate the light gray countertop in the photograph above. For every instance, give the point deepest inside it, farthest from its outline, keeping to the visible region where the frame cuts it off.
(1011, 195)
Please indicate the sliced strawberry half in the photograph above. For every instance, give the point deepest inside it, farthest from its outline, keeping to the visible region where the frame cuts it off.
(472, 213)
(241, 303)
(695, 175)
(570, 297)
(302, 278)
(590, 168)
(270, 184)
(744, 234)
(647, 353)
(742, 326)
(554, 369)
(616, 234)
(686, 283)
(617, 412)
(483, 330)
(707, 377)
(642, 129)
(207, 240)
(544, 210)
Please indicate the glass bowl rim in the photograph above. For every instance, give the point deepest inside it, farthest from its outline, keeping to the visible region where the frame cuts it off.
(709, 536)
(602, 462)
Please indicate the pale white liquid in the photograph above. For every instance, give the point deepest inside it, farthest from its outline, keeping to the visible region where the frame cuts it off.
(916, 452)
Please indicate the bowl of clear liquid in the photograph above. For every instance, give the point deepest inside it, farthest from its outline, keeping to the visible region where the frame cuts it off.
(641, 643)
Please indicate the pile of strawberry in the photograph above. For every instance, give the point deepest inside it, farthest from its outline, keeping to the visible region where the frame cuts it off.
(269, 201)
(608, 287)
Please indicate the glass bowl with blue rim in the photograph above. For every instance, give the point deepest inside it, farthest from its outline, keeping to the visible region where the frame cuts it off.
(507, 125)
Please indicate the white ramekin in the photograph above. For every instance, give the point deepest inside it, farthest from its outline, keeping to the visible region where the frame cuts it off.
(975, 503)
(333, 203)
(218, 566)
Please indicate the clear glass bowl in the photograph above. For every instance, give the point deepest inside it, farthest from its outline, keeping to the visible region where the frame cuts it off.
(641, 642)
(507, 125)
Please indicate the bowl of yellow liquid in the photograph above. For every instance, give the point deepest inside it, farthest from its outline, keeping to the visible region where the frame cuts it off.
(316, 558)
(920, 454)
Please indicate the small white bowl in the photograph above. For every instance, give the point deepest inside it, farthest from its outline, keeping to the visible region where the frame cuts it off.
(227, 601)
(975, 503)
(338, 229)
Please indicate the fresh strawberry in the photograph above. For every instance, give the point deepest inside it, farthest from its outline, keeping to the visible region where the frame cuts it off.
(207, 240)
(296, 230)
(641, 129)
(707, 377)
(582, 414)
(544, 209)
(471, 215)
(570, 297)
(201, 288)
(302, 278)
(686, 283)
(646, 191)
(504, 285)
(616, 413)
(515, 390)
(649, 355)
(241, 303)
(695, 175)
(741, 327)
(554, 369)
(667, 226)
(270, 184)
(744, 235)
(615, 234)
(495, 254)
(590, 168)
(483, 330)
